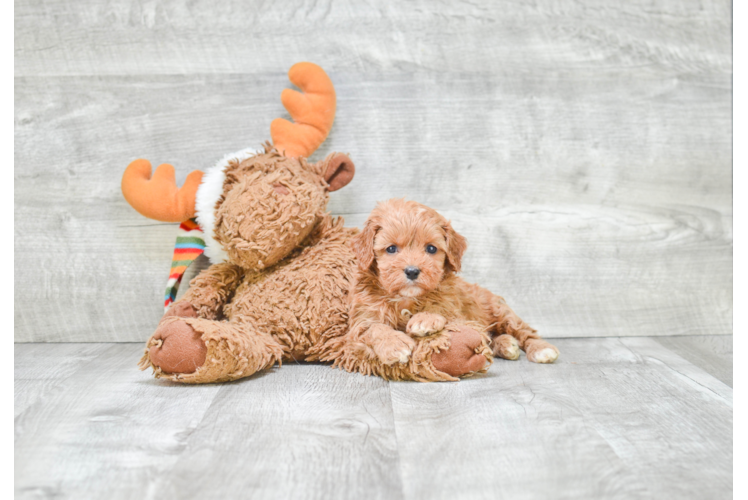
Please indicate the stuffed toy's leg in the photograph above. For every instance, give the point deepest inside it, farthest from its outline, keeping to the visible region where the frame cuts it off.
(188, 349)
(456, 350)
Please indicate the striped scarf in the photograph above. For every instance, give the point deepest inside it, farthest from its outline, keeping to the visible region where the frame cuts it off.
(190, 244)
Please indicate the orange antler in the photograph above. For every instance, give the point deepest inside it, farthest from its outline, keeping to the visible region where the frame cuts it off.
(313, 111)
(158, 197)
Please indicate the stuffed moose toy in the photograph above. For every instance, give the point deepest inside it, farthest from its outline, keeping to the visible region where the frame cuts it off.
(282, 267)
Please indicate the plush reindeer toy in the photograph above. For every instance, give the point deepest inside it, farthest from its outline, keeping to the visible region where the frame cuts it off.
(282, 267)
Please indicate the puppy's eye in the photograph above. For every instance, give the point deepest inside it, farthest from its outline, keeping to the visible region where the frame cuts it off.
(431, 249)
(392, 249)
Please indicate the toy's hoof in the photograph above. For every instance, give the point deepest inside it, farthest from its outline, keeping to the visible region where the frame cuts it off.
(181, 348)
(182, 309)
(461, 357)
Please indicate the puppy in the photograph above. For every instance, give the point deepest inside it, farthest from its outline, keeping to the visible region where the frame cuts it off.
(408, 256)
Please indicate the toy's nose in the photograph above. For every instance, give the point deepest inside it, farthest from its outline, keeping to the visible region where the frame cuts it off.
(412, 272)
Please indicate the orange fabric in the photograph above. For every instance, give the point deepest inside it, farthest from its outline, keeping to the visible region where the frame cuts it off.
(158, 197)
(313, 112)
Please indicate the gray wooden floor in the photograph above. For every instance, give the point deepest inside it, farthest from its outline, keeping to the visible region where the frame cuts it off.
(614, 418)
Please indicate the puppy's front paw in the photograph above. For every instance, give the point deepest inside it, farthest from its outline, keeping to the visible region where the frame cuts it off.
(395, 348)
(424, 323)
(540, 351)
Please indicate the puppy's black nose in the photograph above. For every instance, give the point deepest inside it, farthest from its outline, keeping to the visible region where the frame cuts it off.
(412, 272)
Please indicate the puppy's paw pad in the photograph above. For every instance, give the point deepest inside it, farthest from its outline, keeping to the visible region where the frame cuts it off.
(404, 355)
(395, 351)
(423, 324)
(391, 357)
(546, 355)
(506, 346)
(511, 353)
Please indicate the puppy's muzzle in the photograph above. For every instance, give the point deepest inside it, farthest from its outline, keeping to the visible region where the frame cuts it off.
(412, 272)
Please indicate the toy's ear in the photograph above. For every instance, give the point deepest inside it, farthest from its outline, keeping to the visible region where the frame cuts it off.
(456, 246)
(338, 171)
(363, 244)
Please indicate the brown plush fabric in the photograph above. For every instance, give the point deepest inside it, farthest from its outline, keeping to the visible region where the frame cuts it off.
(256, 223)
(284, 294)
(181, 310)
(176, 347)
(466, 343)
(339, 172)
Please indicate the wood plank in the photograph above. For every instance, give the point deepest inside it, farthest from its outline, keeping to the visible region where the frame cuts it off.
(584, 268)
(739, 449)
(105, 430)
(608, 420)
(711, 353)
(584, 150)
(302, 431)
(614, 418)
(173, 37)
(40, 369)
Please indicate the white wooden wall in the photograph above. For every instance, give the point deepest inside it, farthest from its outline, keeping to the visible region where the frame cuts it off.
(582, 147)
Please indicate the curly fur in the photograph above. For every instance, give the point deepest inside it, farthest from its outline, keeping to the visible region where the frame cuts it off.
(211, 189)
(284, 291)
(386, 302)
(289, 268)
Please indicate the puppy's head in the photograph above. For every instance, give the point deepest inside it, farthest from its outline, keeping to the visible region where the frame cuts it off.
(410, 247)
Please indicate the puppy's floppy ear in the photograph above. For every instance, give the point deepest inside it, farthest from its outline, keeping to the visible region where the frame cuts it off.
(456, 246)
(338, 171)
(363, 244)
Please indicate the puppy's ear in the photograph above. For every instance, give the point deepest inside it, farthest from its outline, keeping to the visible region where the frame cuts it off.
(456, 246)
(338, 171)
(363, 244)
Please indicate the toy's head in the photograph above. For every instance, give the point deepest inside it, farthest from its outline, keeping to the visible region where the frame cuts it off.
(255, 207)
(261, 208)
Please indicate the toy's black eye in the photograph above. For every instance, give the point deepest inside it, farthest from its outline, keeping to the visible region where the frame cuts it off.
(431, 249)
(392, 249)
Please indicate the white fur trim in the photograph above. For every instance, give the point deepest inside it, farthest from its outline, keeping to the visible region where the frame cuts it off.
(208, 193)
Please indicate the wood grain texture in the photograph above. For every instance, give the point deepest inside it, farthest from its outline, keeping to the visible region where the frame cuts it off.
(613, 418)
(105, 430)
(713, 354)
(739, 449)
(610, 420)
(583, 148)
(302, 431)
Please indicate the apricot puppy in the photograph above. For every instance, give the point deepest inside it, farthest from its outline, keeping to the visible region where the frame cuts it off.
(407, 289)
